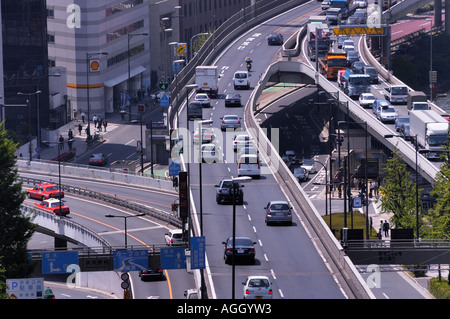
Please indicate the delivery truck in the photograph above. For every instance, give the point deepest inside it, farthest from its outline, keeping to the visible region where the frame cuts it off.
(207, 80)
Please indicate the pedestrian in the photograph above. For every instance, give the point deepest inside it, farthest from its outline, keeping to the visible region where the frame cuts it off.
(122, 115)
(105, 124)
(371, 189)
(379, 233)
(375, 188)
(83, 116)
(95, 119)
(99, 121)
(61, 142)
(69, 142)
(80, 128)
(70, 134)
(386, 228)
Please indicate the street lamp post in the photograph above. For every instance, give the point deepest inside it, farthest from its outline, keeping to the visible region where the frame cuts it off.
(88, 58)
(326, 187)
(125, 218)
(29, 114)
(191, 43)
(416, 147)
(130, 35)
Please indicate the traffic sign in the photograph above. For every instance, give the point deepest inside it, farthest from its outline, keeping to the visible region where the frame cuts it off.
(174, 168)
(25, 288)
(357, 202)
(163, 84)
(180, 49)
(57, 262)
(173, 258)
(164, 101)
(198, 252)
(359, 30)
(130, 260)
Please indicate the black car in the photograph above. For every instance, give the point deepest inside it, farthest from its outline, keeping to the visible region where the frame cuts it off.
(358, 67)
(275, 39)
(244, 249)
(223, 193)
(233, 99)
(151, 274)
(98, 159)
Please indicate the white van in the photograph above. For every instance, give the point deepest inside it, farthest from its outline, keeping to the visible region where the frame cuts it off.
(249, 165)
(241, 80)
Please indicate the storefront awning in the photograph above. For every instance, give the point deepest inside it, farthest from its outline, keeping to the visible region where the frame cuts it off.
(123, 77)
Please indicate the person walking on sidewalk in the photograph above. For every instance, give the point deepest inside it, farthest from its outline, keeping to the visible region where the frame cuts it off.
(61, 142)
(95, 119)
(80, 128)
(105, 124)
(386, 228)
(70, 134)
(83, 116)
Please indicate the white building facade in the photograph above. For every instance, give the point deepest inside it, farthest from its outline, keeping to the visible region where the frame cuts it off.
(91, 40)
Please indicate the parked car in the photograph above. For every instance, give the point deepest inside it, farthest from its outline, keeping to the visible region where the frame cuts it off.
(300, 173)
(244, 249)
(275, 39)
(151, 274)
(278, 212)
(249, 165)
(210, 153)
(400, 121)
(98, 159)
(52, 205)
(174, 237)
(203, 99)
(223, 193)
(366, 100)
(233, 99)
(45, 191)
(230, 121)
(257, 287)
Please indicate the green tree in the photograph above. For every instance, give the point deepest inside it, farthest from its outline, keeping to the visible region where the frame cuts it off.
(399, 196)
(15, 228)
(438, 226)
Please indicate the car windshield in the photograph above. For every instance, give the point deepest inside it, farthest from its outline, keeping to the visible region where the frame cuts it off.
(279, 206)
(258, 282)
(389, 110)
(177, 235)
(240, 242)
(227, 184)
(435, 140)
(352, 54)
(368, 97)
(337, 62)
(231, 117)
(400, 90)
(240, 75)
(371, 71)
(403, 120)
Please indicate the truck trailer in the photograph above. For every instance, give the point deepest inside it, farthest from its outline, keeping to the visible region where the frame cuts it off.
(207, 80)
(431, 131)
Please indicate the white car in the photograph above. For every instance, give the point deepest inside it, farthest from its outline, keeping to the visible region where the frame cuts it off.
(241, 80)
(241, 140)
(210, 153)
(366, 100)
(249, 166)
(308, 164)
(207, 135)
(203, 99)
(257, 287)
(387, 114)
(247, 150)
(174, 237)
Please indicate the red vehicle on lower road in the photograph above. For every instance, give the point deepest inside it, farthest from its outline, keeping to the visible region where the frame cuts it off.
(53, 206)
(45, 191)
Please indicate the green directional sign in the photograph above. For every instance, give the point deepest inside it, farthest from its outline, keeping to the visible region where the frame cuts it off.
(163, 84)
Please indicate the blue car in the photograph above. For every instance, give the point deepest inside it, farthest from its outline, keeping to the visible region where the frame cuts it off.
(377, 103)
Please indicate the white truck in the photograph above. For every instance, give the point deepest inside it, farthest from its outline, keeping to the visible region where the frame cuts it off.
(431, 131)
(207, 80)
(396, 94)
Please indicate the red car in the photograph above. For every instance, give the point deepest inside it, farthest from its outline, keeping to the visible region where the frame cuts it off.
(45, 191)
(52, 205)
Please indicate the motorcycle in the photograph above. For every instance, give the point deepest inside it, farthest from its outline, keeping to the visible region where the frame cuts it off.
(249, 66)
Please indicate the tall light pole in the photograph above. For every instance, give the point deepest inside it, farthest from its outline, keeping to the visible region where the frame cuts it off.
(88, 66)
(29, 114)
(125, 218)
(431, 59)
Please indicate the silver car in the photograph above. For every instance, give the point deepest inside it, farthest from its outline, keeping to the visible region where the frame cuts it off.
(278, 212)
(230, 121)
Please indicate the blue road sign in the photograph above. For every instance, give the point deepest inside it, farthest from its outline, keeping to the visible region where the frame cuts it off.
(57, 262)
(198, 252)
(357, 203)
(173, 258)
(174, 169)
(164, 101)
(130, 260)
(25, 288)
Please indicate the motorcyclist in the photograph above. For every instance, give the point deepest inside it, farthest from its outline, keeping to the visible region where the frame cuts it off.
(248, 62)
